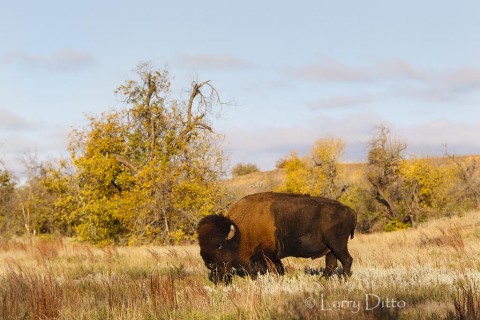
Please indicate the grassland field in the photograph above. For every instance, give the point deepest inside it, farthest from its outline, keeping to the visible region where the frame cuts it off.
(431, 272)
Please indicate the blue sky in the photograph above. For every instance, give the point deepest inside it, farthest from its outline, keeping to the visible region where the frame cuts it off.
(295, 71)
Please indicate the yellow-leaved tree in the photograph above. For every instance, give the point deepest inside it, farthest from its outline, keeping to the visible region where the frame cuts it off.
(326, 154)
(427, 186)
(9, 224)
(147, 172)
(317, 173)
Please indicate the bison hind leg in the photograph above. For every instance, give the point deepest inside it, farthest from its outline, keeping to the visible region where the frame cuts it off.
(341, 253)
(330, 264)
(346, 260)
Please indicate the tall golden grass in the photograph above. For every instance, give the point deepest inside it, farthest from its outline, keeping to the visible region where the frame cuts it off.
(432, 272)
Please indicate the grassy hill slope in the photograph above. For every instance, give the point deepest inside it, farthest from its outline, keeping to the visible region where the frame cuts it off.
(255, 182)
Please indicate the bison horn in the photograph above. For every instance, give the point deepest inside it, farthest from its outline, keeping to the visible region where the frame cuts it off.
(231, 234)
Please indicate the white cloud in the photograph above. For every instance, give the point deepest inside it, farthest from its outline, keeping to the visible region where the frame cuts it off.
(10, 121)
(264, 146)
(19, 137)
(461, 79)
(330, 70)
(341, 102)
(399, 77)
(17, 147)
(214, 61)
(435, 134)
(399, 69)
(62, 60)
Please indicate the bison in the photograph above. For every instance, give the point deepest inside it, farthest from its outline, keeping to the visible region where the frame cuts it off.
(261, 229)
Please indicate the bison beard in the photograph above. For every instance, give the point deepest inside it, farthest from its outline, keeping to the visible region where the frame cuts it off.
(261, 229)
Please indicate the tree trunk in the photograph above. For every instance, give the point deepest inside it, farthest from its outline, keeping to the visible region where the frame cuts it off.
(385, 200)
(167, 229)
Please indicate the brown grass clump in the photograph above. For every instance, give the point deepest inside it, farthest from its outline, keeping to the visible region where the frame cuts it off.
(466, 302)
(163, 292)
(48, 249)
(30, 295)
(451, 237)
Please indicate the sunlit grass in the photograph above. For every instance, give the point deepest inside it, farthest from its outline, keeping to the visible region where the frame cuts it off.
(429, 272)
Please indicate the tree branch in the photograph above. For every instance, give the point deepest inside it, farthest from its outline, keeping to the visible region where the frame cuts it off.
(384, 199)
(127, 163)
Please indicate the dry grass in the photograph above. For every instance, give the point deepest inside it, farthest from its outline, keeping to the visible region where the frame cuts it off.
(431, 272)
(254, 182)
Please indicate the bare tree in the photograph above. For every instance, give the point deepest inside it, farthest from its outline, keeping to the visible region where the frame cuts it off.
(384, 159)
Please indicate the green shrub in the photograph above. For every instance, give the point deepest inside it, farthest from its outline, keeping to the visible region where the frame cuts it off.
(395, 225)
(242, 169)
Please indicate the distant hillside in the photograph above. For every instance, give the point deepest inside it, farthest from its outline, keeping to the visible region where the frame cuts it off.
(350, 173)
(263, 181)
(260, 181)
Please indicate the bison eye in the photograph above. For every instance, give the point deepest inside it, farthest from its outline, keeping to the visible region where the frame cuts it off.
(220, 246)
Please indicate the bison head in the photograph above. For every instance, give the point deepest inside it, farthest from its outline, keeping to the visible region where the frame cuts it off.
(219, 240)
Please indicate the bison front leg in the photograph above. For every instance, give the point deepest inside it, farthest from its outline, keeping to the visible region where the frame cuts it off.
(330, 264)
(262, 265)
(256, 267)
(217, 278)
(279, 267)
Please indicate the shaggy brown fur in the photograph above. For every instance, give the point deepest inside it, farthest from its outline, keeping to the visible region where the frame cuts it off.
(270, 226)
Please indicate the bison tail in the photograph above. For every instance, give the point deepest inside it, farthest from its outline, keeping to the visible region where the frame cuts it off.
(354, 225)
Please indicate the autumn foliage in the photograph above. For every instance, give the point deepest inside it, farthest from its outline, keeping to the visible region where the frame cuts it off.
(389, 191)
(146, 171)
